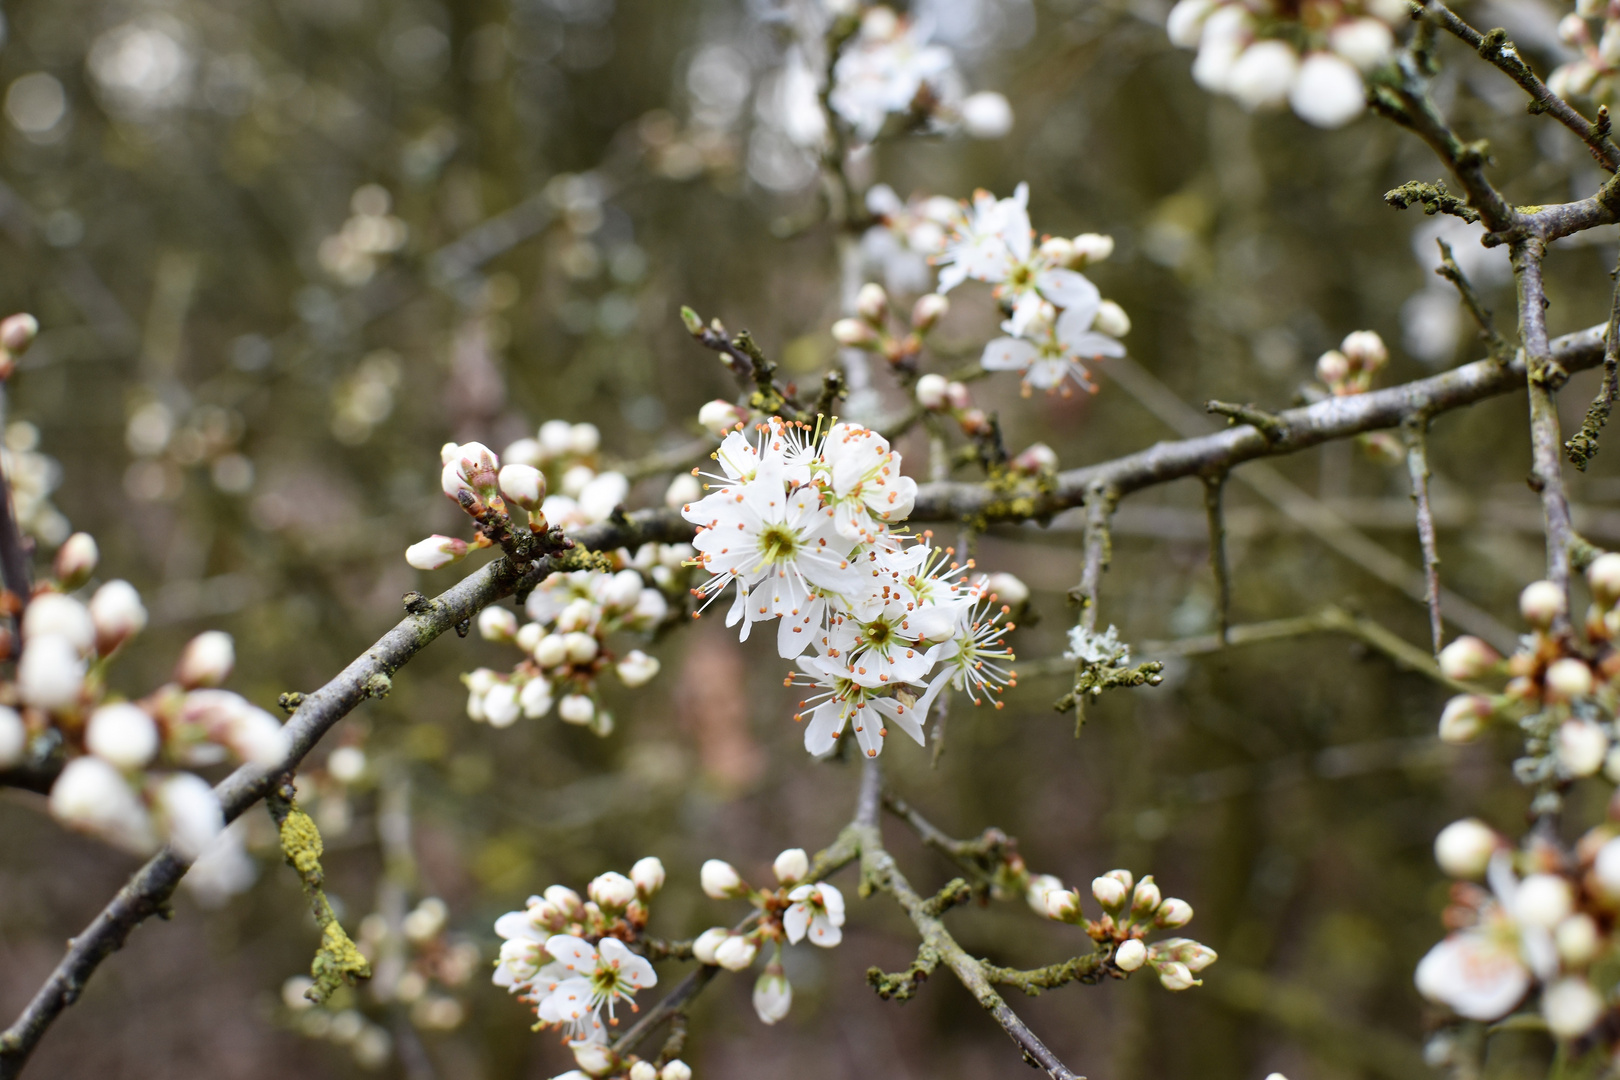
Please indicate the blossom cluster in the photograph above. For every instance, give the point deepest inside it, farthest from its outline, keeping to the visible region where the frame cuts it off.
(1350, 370)
(796, 910)
(869, 328)
(570, 960)
(124, 779)
(1131, 910)
(1311, 56)
(799, 524)
(1056, 318)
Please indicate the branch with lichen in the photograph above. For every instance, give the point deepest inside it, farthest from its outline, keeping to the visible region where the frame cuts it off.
(1582, 447)
(337, 961)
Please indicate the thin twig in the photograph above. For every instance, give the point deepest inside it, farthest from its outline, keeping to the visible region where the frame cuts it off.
(1496, 345)
(1268, 424)
(1582, 447)
(1214, 488)
(1417, 468)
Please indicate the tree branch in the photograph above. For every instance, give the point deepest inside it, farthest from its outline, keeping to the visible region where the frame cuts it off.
(1417, 468)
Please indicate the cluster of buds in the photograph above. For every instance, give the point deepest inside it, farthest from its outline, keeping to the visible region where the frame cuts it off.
(353, 253)
(117, 782)
(1350, 368)
(1130, 911)
(1310, 55)
(614, 1068)
(570, 959)
(796, 910)
(420, 964)
(1592, 73)
(566, 642)
(869, 328)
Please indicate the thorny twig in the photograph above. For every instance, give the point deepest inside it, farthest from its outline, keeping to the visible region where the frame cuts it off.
(1417, 468)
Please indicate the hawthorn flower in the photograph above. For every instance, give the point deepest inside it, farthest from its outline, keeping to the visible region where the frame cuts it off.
(817, 910)
(591, 978)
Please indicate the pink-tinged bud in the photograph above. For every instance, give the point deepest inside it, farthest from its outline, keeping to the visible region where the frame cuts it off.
(718, 417)
(1092, 248)
(1464, 718)
(720, 880)
(1464, 848)
(872, 304)
(523, 485)
(927, 311)
(791, 866)
(190, 812)
(735, 953)
(1541, 603)
(1130, 955)
(1111, 320)
(611, 891)
(452, 482)
(207, 660)
(1110, 892)
(13, 737)
(773, 995)
(931, 391)
(1146, 899)
(1063, 905)
(497, 624)
(1176, 976)
(707, 943)
(957, 394)
(118, 615)
(1333, 368)
(50, 674)
(1173, 913)
(17, 333)
(1604, 577)
(435, 552)
(1572, 30)
(1468, 658)
(235, 723)
(76, 560)
(1036, 459)
(91, 796)
(1568, 679)
(973, 422)
(648, 876)
(123, 735)
(1365, 350)
(854, 334)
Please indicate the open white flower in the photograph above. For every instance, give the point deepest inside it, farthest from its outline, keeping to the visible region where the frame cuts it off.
(1053, 350)
(594, 977)
(817, 911)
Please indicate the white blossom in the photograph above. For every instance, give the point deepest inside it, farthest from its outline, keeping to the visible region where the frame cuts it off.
(50, 673)
(117, 613)
(93, 797)
(122, 734)
(206, 660)
(590, 979)
(192, 816)
(817, 911)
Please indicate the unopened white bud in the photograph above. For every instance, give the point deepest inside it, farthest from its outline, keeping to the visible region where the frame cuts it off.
(497, 624)
(1092, 248)
(1147, 897)
(1582, 746)
(931, 391)
(643, 1070)
(584, 439)
(596, 1059)
(1606, 868)
(611, 891)
(17, 333)
(346, 764)
(1008, 588)
(1468, 658)
(676, 1070)
(1130, 955)
(13, 737)
(718, 417)
(122, 734)
(682, 490)
(648, 875)
(524, 452)
(621, 591)
(1036, 459)
(791, 866)
(1110, 892)
(523, 485)
(50, 673)
(1174, 912)
(53, 613)
(501, 705)
(436, 551)
(1365, 349)
(555, 438)
(987, 115)
(1185, 23)
(1328, 91)
(206, 660)
(872, 303)
(76, 560)
(1366, 43)
(637, 668)
(854, 334)
(1063, 905)
(93, 797)
(191, 813)
(1572, 30)
(576, 709)
(576, 615)
(1333, 367)
(1464, 848)
(535, 698)
(1604, 577)
(1571, 1007)
(773, 994)
(1543, 900)
(1568, 679)
(735, 953)
(1058, 250)
(1578, 940)
(1112, 320)
(1464, 718)
(706, 943)
(935, 622)
(118, 614)
(927, 311)
(582, 647)
(1176, 976)
(1039, 886)
(1540, 603)
(565, 900)
(1263, 75)
(720, 879)
(550, 651)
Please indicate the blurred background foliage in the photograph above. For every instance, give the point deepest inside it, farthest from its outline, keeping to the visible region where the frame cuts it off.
(282, 249)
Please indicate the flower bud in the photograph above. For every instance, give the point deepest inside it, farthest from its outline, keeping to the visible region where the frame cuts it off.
(1365, 349)
(1571, 1007)
(1111, 320)
(735, 953)
(1464, 848)
(720, 879)
(17, 333)
(555, 438)
(1130, 955)
(523, 485)
(956, 394)
(1172, 913)
(122, 734)
(117, 613)
(1063, 905)
(931, 391)
(1366, 43)
(676, 1070)
(1542, 900)
(1146, 899)
(791, 866)
(346, 764)
(1604, 577)
(1035, 459)
(648, 876)
(595, 1059)
(192, 816)
(50, 673)
(643, 1070)
(576, 709)
(1333, 368)
(692, 321)
(54, 614)
(1468, 658)
(854, 334)
(435, 551)
(584, 439)
(612, 891)
(1464, 718)
(637, 669)
(497, 624)
(580, 646)
(76, 560)
(1092, 248)
(1568, 679)
(1182, 950)
(93, 797)
(206, 660)
(524, 452)
(773, 994)
(1263, 75)
(1582, 746)
(718, 417)
(927, 311)
(1176, 976)
(1110, 892)
(703, 948)
(565, 900)
(550, 651)
(1007, 588)
(682, 490)
(13, 737)
(1541, 603)
(986, 115)
(872, 304)
(1035, 892)
(1578, 940)
(1057, 250)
